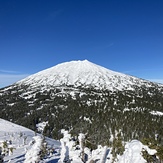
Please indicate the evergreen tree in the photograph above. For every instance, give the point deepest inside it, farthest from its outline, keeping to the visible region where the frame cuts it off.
(37, 152)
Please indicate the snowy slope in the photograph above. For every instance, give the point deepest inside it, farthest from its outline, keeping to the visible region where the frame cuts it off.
(82, 74)
(20, 139)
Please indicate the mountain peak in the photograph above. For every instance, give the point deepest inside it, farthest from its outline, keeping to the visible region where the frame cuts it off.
(81, 74)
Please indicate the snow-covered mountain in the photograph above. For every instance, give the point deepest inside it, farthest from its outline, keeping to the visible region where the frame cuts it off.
(82, 74)
(81, 96)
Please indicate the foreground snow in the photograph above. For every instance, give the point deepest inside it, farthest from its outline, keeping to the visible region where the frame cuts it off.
(26, 148)
(132, 153)
(21, 140)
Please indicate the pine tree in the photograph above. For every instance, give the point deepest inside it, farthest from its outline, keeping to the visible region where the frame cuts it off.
(160, 153)
(37, 152)
(118, 147)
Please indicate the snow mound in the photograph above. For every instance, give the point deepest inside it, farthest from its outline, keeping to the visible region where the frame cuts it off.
(133, 153)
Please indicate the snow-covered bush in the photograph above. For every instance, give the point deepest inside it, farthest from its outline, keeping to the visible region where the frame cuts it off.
(6, 148)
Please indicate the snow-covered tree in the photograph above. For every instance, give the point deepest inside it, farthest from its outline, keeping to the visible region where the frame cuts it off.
(104, 154)
(73, 152)
(65, 145)
(81, 138)
(36, 153)
(133, 152)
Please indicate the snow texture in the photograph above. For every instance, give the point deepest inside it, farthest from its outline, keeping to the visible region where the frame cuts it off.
(81, 74)
(157, 113)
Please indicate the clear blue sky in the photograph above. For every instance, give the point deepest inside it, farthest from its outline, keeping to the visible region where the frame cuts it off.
(121, 35)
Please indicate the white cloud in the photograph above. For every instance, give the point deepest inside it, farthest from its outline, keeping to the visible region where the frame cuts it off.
(156, 80)
(8, 71)
(8, 79)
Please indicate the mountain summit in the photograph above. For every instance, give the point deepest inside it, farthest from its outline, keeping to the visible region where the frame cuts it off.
(82, 74)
